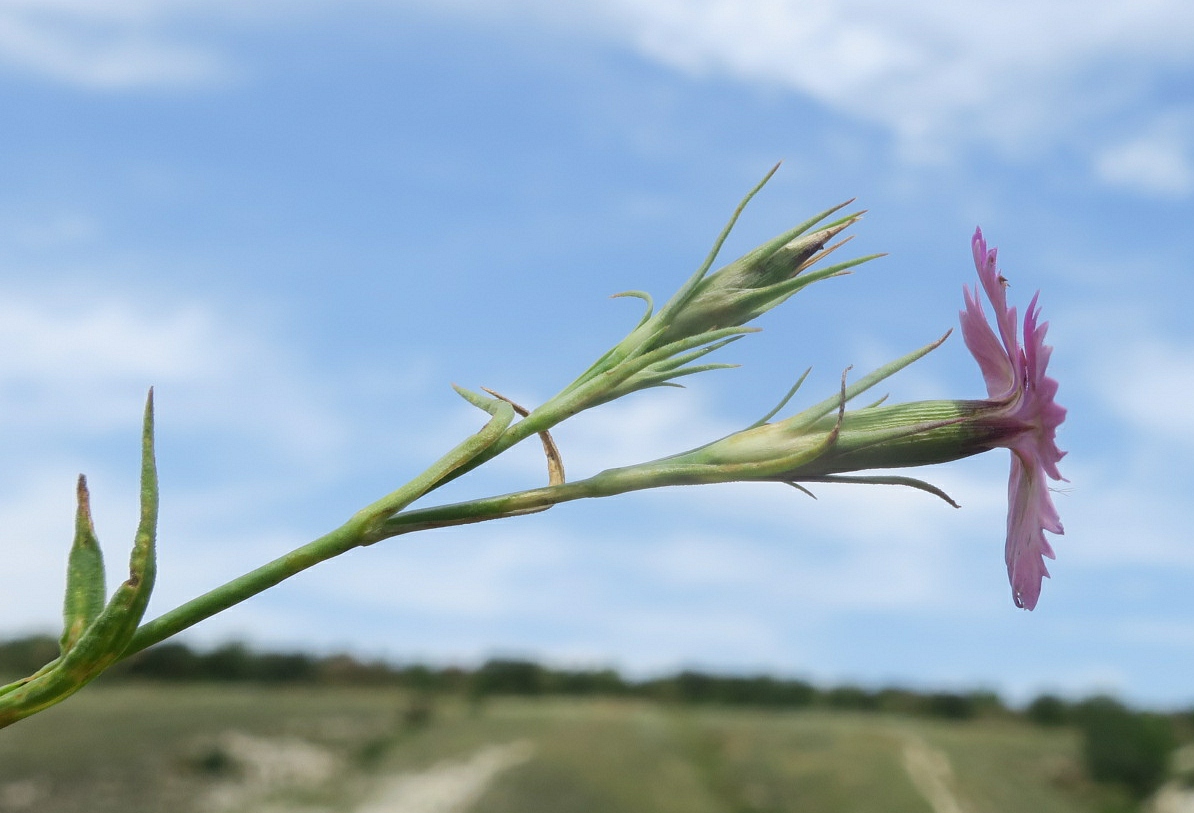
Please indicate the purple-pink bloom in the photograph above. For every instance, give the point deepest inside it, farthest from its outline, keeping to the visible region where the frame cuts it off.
(1015, 378)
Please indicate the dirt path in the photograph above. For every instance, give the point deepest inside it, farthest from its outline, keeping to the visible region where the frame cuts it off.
(1173, 798)
(448, 787)
(930, 772)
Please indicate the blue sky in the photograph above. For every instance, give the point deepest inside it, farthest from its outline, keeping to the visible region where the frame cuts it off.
(302, 221)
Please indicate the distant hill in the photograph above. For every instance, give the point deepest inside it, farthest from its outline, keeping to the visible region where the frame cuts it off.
(1120, 746)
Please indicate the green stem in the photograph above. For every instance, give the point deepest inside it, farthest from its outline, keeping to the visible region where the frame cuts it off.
(605, 484)
(351, 535)
(344, 538)
(363, 529)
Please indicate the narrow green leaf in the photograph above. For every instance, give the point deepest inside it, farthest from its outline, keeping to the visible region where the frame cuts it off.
(645, 379)
(783, 401)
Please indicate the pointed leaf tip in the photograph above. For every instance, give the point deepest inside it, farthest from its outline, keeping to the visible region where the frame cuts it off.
(83, 499)
(477, 399)
(886, 480)
(799, 487)
(84, 525)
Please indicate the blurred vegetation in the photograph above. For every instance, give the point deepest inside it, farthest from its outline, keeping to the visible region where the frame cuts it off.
(1129, 748)
(236, 663)
(244, 747)
(1127, 751)
(1120, 746)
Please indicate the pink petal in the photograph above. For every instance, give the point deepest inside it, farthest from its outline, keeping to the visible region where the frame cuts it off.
(997, 369)
(1017, 376)
(1030, 514)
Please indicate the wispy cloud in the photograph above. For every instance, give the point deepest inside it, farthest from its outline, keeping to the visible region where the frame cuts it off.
(71, 368)
(1021, 77)
(1157, 163)
(36, 515)
(1154, 378)
(104, 46)
(104, 355)
(931, 71)
(1118, 524)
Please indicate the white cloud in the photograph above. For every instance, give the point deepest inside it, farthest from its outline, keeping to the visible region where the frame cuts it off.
(904, 572)
(1157, 163)
(102, 46)
(36, 518)
(1153, 380)
(1019, 75)
(471, 575)
(122, 44)
(933, 71)
(89, 367)
(68, 368)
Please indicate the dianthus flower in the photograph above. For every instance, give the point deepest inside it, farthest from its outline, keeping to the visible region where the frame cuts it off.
(828, 443)
(1015, 377)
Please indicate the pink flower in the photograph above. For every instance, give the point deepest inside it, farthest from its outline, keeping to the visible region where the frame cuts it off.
(1016, 379)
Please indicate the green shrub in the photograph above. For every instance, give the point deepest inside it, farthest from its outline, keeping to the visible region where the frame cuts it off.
(951, 706)
(1124, 747)
(1048, 710)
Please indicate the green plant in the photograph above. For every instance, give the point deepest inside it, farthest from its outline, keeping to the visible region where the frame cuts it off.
(823, 443)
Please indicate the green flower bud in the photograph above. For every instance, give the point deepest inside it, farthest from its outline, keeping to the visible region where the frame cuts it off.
(920, 433)
(758, 281)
